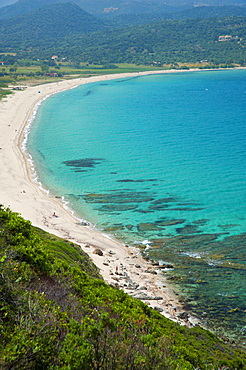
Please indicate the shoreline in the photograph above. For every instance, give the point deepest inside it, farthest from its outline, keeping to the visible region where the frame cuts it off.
(119, 264)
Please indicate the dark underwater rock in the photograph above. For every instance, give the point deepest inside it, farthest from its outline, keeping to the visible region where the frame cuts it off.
(144, 226)
(83, 163)
(188, 229)
(143, 180)
(158, 207)
(119, 197)
(170, 222)
(186, 209)
(166, 200)
(129, 227)
(200, 222)
(116, 208)
(114, 228)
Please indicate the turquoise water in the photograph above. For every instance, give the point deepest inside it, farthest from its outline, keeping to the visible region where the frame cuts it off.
(160, 160)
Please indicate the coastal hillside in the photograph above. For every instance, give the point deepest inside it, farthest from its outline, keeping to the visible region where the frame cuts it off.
(57, 313)
(163, 43)
(70, 33)
(52, 21)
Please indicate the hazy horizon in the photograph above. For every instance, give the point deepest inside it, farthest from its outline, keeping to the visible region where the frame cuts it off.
(4, 3)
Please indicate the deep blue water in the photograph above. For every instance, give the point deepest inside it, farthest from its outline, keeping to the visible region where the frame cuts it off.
(161, 159)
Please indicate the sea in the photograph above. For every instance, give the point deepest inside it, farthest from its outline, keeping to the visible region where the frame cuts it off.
(159, 162)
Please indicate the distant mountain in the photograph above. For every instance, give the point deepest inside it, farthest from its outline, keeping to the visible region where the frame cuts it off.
(205, 2)
(210, 12)
(126, 20)
(98, 7)
(108, 8)
(116, 7)
(149, 6)
(50, 22)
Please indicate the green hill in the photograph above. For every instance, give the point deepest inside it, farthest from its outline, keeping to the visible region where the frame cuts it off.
(57, 313)
(22, 7)
(52, 21)
(12, 8)
(74, 35)
(98, 7)
(69, 32)
(129, 12)
(127, 20)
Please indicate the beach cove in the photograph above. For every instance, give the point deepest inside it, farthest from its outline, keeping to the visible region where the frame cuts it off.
(119, 264)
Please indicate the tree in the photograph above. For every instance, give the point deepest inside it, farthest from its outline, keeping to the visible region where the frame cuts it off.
(44, 68)
(15, 66)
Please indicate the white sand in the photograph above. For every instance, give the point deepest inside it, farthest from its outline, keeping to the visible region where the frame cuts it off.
(22, 195)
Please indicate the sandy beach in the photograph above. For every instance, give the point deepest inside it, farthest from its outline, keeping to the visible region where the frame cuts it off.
(119, 264)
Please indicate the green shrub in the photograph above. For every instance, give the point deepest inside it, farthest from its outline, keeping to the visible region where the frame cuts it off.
(56, 313)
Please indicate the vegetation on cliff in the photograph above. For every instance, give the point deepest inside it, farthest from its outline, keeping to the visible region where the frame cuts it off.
(56, 312)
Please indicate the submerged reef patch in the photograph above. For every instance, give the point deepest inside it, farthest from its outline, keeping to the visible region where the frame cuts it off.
(147, 226)
(208, 273)
(188, 229)
(79, 164)
(167, 222)
(141, 180)
(118, 197)
(88, 93)
(116, 207)
(173, 204)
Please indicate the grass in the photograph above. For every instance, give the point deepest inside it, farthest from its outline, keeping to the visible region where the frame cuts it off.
(32, 75)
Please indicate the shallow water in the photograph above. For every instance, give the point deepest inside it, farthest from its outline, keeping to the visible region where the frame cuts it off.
(160, 159)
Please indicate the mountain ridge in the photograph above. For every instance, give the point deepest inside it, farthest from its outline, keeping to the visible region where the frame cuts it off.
(55, 20)
(126, 20)
(82, 38)
(111, 7)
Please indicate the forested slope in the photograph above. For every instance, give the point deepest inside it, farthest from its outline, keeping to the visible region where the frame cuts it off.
(127, 20)
(54, 21)
(164, 42)
(98, 7)
(69, 32)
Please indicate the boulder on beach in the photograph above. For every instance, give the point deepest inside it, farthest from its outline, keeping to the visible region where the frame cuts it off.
(98, 251)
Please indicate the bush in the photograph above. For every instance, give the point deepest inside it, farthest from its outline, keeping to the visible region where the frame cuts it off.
(56, 313)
